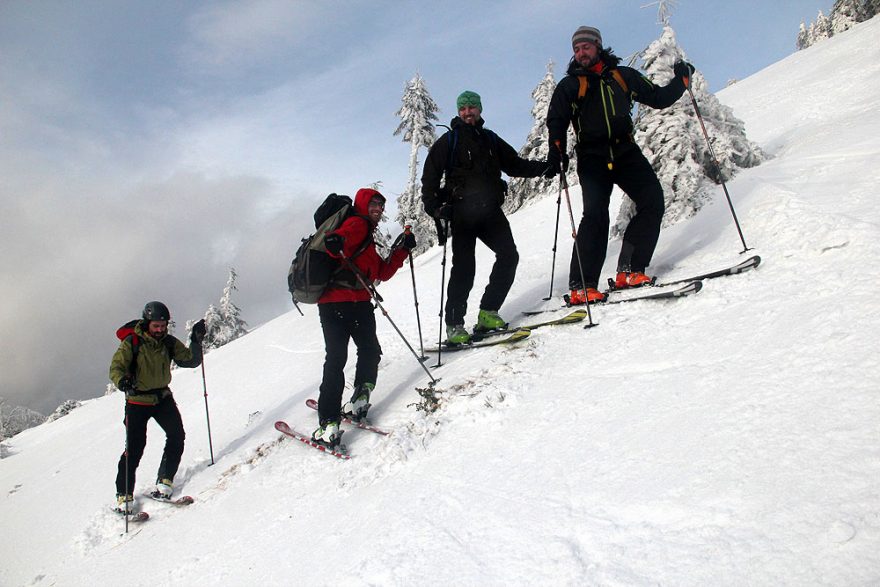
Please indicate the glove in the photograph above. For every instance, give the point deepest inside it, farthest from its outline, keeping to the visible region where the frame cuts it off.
(126, 384)
(683, 69)
(444, 212)
(556, 160)
(333, 243)
(197, 334)
(406, 240)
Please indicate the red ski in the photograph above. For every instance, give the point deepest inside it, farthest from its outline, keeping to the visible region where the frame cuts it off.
(362, 425)
(282, 427)
(180, 501)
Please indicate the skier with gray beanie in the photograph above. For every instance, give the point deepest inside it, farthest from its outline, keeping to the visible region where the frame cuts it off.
(596, 98)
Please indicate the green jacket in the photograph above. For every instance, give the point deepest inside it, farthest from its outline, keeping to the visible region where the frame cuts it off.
(153, 364)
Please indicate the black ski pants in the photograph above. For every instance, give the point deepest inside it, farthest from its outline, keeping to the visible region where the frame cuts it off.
(493, 230)
(168, 417)
(341, 322)
(635, 176)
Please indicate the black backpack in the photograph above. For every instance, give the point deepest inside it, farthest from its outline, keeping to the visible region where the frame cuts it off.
(313, 269)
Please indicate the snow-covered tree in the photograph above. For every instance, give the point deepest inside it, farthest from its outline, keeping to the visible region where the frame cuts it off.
(416, 127)
(522, 190)
(223, 324)
(673, 141)
(843, 16)
(803, 37)
(65, 408)
(15, 419)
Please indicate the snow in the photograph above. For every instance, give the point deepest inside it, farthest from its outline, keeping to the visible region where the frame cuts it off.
(730, 438)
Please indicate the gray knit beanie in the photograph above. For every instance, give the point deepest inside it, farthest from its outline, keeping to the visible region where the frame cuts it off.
(586, 33)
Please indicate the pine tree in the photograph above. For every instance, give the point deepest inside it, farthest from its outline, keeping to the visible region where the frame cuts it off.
(223, 324)
(673, 141)
(416, 116)
(821, 29)
(803, 38)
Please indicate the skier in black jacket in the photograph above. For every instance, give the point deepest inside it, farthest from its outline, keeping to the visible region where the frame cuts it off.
(596, 97)
(472, 158)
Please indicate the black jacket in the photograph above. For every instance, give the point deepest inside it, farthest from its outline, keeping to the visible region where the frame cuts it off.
(602, 119)
(474, 184)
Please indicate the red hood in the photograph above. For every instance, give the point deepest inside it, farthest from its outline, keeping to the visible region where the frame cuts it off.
(362, 200)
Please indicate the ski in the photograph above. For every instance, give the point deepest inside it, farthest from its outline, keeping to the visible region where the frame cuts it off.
(516, 336)
(686, 290)
(180, 501)
(133, 517)
(575, 316)
(362, 425)
(340, 453)
(746, 265)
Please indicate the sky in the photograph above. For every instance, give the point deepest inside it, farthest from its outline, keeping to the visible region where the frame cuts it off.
(147, 147)
(725, 439)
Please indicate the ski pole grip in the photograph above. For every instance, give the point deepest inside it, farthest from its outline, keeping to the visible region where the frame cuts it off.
(407, 229)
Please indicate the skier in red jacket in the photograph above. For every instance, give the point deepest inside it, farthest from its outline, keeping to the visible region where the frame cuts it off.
(347, 313)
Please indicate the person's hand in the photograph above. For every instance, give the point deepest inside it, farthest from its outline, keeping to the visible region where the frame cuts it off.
(126, 384)
(683, 70)
(197, 334)
(409, 241)
(333, 243)
(556, 161)
(444, 212)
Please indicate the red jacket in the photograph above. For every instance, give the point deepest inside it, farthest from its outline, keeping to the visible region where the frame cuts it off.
(371, 266)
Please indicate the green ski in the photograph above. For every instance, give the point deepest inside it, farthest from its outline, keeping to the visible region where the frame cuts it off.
(572, 318)
(516, 336)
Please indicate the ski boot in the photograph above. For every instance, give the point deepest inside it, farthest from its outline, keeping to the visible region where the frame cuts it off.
(489, 320)
(328, 434)
(580, 296)
(628, 279)
(125, 504)
(456, 334)
(356, 408)
(164, 489)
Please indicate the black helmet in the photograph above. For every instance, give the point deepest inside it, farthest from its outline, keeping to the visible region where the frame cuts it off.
(156, 311)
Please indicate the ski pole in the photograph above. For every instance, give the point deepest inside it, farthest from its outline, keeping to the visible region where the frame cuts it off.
(375, 295)
(445, 225)
(127, 488)
(717, 165)
(408, 230)
(563, 184)
(207, 413)
(555, 240)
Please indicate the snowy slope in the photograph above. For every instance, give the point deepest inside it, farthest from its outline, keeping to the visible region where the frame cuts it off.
(731, 438)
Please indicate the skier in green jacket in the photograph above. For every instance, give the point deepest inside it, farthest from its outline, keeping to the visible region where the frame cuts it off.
(141, 368)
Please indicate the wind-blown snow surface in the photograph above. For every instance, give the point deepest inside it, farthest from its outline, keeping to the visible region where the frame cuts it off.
(731, 438)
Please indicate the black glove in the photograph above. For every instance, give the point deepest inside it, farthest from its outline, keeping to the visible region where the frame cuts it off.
(406, 240)
(444, 212)
(197, 334)
(126, 383)
(683, 69)
(333, 243)
(556, 160)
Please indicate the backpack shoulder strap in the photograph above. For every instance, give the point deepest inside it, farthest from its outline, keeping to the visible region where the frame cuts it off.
(617, 76)
(135, 347)
(453, 143)
(583, 86)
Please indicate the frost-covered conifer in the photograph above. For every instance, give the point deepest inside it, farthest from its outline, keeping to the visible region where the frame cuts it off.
(673, 141)
(223, 324)
(522, 190)
(416, 126)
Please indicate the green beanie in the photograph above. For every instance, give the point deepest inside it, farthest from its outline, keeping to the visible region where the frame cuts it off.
(469, 98)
